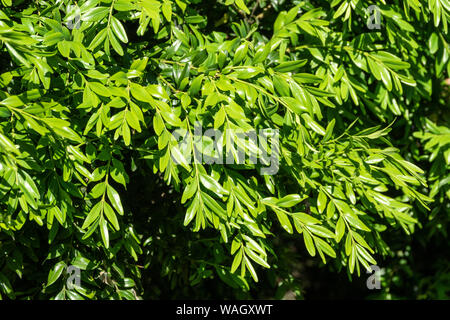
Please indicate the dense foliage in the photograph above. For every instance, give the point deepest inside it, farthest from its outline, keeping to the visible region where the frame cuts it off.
(91, 175)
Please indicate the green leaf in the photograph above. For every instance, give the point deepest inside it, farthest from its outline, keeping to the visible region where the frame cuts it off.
(59, 214)
(294, 105)
(290, 66)
(81, 262)
(289, 201)
(309, 243)
(167, 10)
(284, 221)
(250, 268)
(95, 14)
(114, 43)
(241, 5)
(104, 232)
(317, 128)
(114, 197)
(240, 53)
(64, 48)
(55, 272)
(236, 261)
(329, 130)
(98, 39)
(321, 231)
(61, 128)
(256, 258)
(325, 247)
(111, 215)
(340, 229)
(211, 184)
(94, 213)
(321, 201)
(119, 30)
